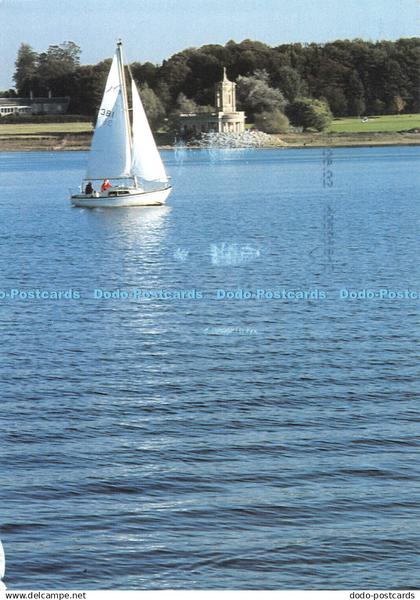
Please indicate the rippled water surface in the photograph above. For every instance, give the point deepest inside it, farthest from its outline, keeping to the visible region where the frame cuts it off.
(212, 443)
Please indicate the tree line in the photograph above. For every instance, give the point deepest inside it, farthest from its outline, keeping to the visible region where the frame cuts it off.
(304, 83)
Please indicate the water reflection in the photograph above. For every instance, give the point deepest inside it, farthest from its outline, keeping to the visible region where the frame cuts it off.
(134, 225)
(132, 250)
(139, 217)
(130, 242)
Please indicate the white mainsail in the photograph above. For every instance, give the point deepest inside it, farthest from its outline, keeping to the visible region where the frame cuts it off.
(110, 154)
(146, 161)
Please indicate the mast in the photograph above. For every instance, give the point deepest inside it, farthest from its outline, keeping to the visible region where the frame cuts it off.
(124, 91)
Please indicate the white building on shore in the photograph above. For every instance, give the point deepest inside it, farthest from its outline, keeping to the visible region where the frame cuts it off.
(34, 106)
(225, 119)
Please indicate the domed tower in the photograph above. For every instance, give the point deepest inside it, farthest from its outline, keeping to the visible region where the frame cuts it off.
(226, 95)
(226, 118)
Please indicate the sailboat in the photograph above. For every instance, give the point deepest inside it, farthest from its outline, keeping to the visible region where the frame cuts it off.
(123, 155)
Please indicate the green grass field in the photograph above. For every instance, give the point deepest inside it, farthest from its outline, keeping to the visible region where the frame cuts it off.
(383, 123)
(380, 124)
(44, 128)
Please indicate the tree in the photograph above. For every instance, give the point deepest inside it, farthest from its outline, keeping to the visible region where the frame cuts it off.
(395, 85)
(152, 105)
(335, 97)
(57, 62)
(288, 81)
(378, 107)
(204, 72)
(173, 74)
(185, 105)
(397, 105)
(309, 113)
(8, 94)
(145, 73)
(256, 95)
(246, 62)
(407, 52)
(355, 95)
(272, 121)
(25, 76)
(247, 57)
(87, 87)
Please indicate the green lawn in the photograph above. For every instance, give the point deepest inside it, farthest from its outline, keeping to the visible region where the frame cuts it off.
(383, 123)
(44, 128)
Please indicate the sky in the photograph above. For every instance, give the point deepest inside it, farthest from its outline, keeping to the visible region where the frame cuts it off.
(153, 30)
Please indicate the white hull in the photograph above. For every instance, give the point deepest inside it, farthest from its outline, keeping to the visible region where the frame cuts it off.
(132, 198)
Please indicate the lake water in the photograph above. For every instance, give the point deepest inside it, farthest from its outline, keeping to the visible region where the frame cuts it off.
(183, 438)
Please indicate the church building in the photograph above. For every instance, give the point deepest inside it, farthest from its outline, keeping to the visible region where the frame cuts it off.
(225, 119)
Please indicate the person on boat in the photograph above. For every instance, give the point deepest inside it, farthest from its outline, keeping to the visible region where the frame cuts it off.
(89, 188)
(106, 185)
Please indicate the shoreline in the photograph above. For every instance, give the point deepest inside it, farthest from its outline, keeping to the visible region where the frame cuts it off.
(56, 142)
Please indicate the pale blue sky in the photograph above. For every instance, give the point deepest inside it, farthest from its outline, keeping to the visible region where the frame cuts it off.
(155, 29)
